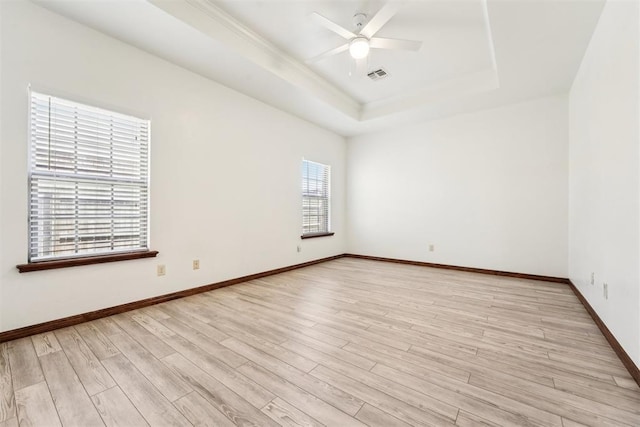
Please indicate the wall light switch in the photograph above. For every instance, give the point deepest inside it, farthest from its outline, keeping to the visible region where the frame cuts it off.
(196, 264)
(161, 270)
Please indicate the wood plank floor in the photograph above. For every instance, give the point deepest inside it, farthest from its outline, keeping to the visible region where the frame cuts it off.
(347, 342)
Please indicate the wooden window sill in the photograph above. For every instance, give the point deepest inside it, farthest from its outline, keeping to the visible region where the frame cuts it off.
(313, 235)
(75, 262)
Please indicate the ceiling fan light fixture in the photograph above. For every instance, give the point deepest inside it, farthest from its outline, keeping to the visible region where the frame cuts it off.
(359, 47)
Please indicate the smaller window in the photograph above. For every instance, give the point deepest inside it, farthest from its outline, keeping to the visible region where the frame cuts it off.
(315, 198)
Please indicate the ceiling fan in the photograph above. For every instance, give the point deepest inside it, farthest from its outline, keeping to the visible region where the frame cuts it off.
(360, 41)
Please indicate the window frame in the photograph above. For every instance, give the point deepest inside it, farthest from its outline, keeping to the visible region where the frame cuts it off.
(93, 180)
(327, 197)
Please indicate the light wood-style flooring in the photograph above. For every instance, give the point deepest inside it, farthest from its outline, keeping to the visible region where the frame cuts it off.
(344, 343)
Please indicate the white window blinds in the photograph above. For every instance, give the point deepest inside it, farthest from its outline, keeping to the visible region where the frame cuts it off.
(315, 197)
(88, 180)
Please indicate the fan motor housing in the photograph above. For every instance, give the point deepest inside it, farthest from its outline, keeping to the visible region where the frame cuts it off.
(359, 19)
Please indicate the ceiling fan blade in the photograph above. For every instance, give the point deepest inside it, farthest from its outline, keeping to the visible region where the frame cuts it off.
(328, 53)
(380, 18)
(395, 44)
(332, 26)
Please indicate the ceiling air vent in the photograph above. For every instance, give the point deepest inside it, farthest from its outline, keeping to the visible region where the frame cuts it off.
(378, 74)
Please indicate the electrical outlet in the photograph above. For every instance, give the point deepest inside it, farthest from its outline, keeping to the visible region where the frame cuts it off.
(605, 290)
(299, 248)
(432, 248)
(161, 270)
(196, 264)
(593, 278)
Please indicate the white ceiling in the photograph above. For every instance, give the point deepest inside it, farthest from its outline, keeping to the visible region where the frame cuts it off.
(454, 35)
(475, 54)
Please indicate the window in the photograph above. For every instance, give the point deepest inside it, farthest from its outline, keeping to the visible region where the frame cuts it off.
(315, 199)
(88, 181)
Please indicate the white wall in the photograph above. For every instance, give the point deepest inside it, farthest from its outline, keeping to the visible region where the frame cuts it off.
(225, 170)
(1, 237)
(604, 190)
(487, 189)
